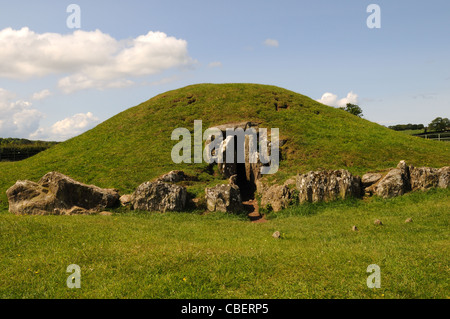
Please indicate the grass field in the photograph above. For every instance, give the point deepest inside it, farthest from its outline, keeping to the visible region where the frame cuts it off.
(189, 255)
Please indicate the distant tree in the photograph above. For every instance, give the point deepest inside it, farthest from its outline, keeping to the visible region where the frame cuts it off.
(353, 109)
(439, 124)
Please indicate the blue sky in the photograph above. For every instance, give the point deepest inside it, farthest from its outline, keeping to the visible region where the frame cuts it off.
(56, 82)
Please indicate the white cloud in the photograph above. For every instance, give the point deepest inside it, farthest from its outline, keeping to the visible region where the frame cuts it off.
(271, 43)
(216, 64)
(92, 59)
(25, 54)
(17, 117)
(80, 82)
(74, 125)
(332, 99)
(26, 121)
(67, 128)
(41, 95)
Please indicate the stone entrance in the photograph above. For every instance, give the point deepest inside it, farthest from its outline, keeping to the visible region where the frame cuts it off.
(245, 173)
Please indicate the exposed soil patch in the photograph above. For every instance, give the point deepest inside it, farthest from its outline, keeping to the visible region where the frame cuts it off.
(253, 211)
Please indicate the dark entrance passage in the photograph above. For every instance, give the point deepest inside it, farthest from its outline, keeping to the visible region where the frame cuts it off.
(247, 188)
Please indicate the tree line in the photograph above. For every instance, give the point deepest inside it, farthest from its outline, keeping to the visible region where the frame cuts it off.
(405, 127)
(16, 149)
(439, 124)
(10, 141)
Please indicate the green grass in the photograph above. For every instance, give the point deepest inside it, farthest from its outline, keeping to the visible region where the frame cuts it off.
(135, 145)
(188, 255)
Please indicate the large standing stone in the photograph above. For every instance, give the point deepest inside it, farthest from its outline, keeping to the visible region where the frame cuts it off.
(159, 196)
(327, 186)
(277, 196)
(59, 194)
(395, 183)
(224, 198)
(227, 166)
(252, 159)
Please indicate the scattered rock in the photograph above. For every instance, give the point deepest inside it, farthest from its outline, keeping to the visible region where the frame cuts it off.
(233, 179)
(423, 178)
(173, 177)
(405, 178)
(105, 214)
(427, 177)
(59, 194)
(260, 187)
(354, 228)
(408, 220)
(75, 210)
(276, 235)
(369, 179)
(195, 200)
(125, 200)
(328, 186)
(378, 222)
(159, 196)
(277, 196)
(444, 177)
(291, 181)
(395, 183)
(224, 198)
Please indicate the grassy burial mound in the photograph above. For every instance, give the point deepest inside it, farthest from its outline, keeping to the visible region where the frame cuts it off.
(135, 146)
